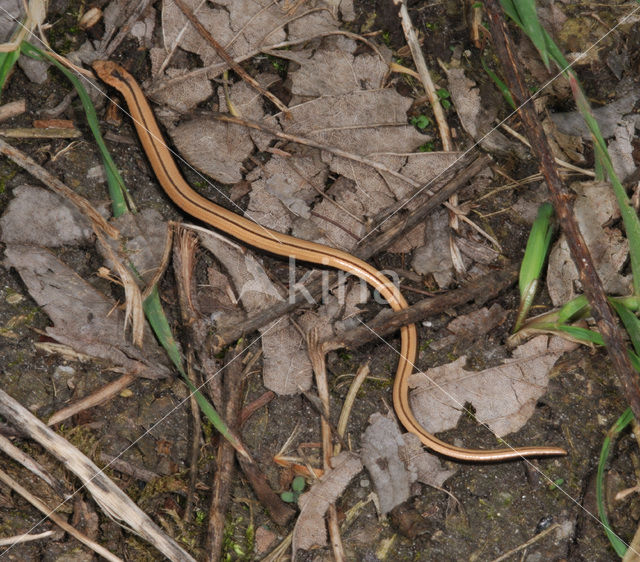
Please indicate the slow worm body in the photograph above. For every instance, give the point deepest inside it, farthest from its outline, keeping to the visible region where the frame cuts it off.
(274, 242)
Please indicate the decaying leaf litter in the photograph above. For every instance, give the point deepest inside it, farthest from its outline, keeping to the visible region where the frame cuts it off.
(284, 194)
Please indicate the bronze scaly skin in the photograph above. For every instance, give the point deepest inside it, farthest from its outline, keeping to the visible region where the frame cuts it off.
(284, 245)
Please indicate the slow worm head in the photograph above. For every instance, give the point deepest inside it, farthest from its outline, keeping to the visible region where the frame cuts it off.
(245, 230)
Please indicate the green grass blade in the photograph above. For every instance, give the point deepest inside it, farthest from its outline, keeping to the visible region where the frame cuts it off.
(510, 9)
(583, 334)
(523, 13)
(7, 62)
(117, 189)
(531, 25)
(623, 421)
(631, 323)
(555, 53)
(158, 320)
(573, 310)
(630, 302)
(504, 90)
(537, 248)
(535, 255)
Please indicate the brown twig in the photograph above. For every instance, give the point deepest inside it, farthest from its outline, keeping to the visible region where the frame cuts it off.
(562, 203)
(485, 288)
(447, 184)
(224, 473)
(258, 403)
(228, 59)
(130, 469)
(38, 133)
(225, 398)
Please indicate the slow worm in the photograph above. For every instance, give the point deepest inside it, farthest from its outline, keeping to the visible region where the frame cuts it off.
(274, 242)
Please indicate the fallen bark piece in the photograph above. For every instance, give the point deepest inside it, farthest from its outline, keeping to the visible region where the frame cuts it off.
(84, 318)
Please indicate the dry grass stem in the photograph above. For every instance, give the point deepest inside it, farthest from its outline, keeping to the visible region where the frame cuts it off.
(25, 538)
(94, 399)
(361, 375)
(50, 513)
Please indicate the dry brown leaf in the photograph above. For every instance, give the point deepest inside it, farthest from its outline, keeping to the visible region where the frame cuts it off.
(289, 180)
(143, 240)
(434, 257)
(563, 146)
(246, 100)
(341, 217)
(477, 251)
(335, 69)
(240, 26)
(595, 206)
(362, 122)
(472, 326)
(339, 311)
(313, 23)
(423, 466)
(214, 148)
(621, 149)
(24, 222)
(84, 318)
(478, 322)
(286, 367)
(607, 116)
(309, 530)
(183, 95)
(504, 397)
(266, 209)
(381, 443)
(476, 115)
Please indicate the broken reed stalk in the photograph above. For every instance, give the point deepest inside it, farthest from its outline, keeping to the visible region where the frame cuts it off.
(562, 203)
(425, 76)
(112, 500)
(57, 519)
